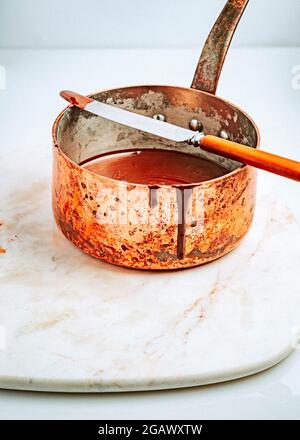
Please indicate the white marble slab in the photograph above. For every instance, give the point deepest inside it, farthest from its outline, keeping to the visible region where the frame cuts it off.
(71, 323)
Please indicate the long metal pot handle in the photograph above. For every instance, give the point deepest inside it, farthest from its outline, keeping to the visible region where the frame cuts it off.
(213, 55)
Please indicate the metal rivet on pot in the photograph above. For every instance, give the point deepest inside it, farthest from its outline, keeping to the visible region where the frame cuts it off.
(224, 134)
(195, 125)
(159, 117)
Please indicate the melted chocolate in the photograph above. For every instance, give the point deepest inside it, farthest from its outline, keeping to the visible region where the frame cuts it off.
(184, 197)
(154, 167)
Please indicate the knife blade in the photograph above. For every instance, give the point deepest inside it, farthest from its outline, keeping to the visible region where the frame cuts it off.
(131, 119)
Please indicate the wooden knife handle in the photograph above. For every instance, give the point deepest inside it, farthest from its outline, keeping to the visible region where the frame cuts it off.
(257, 158)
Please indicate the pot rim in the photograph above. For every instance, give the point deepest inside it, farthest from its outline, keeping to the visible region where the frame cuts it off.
(187, 185)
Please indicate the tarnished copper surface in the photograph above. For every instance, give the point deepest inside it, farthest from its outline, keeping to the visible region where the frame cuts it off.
(81, 197)
(216, 46)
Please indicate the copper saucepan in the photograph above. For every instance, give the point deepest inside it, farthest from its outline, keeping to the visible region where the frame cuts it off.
(167, 227)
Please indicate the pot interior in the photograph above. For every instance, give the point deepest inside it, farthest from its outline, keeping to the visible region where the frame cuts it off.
(81, 135)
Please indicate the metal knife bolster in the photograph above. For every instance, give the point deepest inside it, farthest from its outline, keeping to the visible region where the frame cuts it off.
(144, 123)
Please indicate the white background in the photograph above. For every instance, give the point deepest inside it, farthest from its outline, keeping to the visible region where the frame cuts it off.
(140, 23)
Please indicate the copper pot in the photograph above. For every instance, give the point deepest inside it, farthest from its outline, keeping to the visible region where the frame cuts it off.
(168, 227)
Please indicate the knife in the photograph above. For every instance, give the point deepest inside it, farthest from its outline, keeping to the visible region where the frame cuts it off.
(260, 159)
(133, 120)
